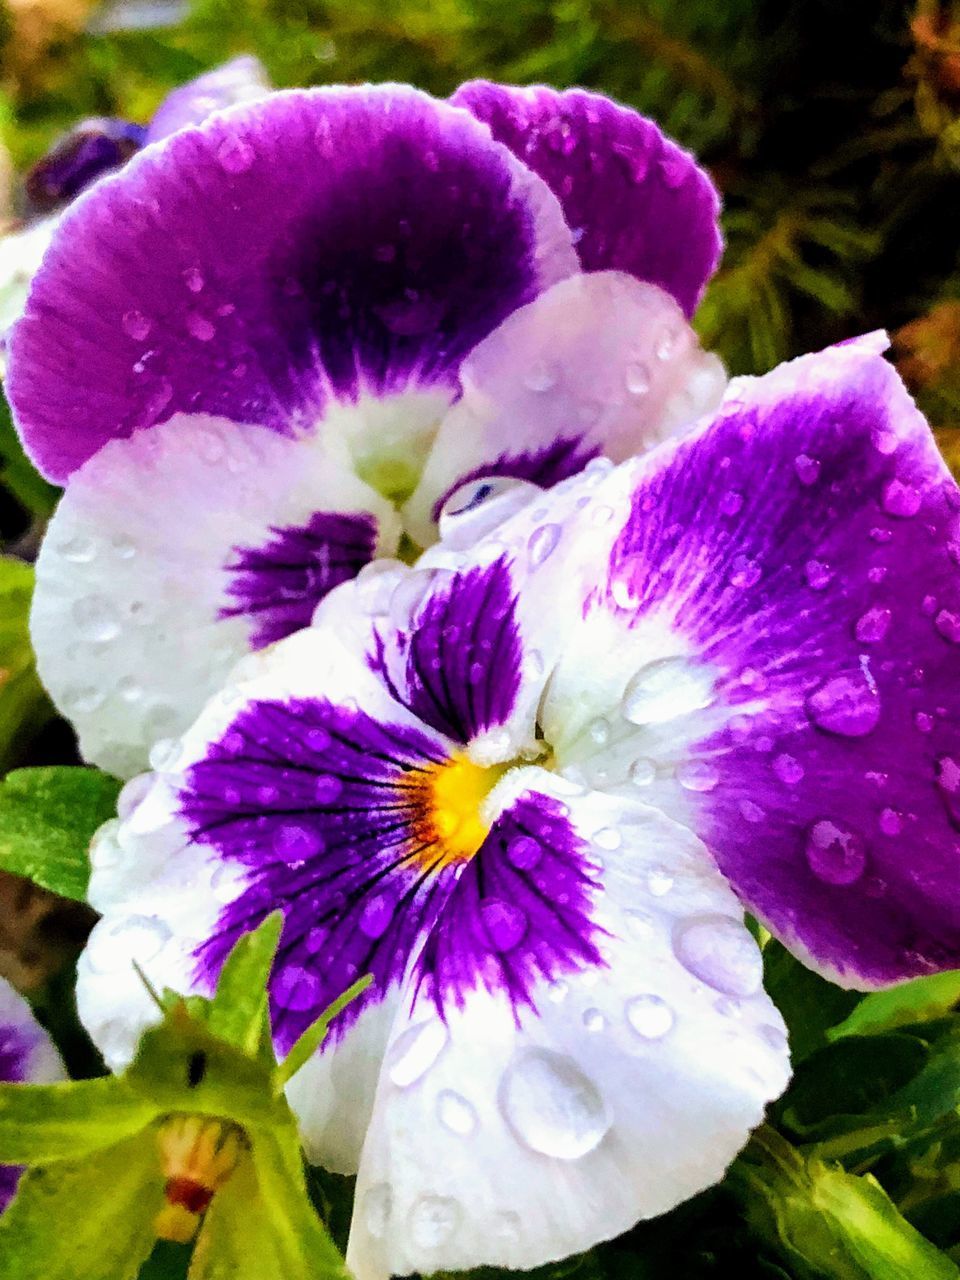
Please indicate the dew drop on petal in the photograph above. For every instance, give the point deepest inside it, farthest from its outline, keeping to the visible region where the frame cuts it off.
(541, 376)
(872, 626)
(788, 769)
(637, 378)
(890, 822)
(666, 689)
(433, 1220)
(136, 325)
(542, 543)
(296, 988)
(79, 550)
(818, 575)
(234, 155)
(593, 1020)
(377, 1208)
(659, 882)
(455, 1113)
(697, 775)
(415, 1051)
(608, 838)
(504, 924)
(525, 852)
(720, 952)
(95, 619)
(847, 705)
(642, 772)
(551, 1106)
(901, 500)
(193, 279)
(948, 624)
(104, 850)
(649, 1016)
(836, 855)
(200, 327)
(807, 469)
(376, 916)
(731, 503)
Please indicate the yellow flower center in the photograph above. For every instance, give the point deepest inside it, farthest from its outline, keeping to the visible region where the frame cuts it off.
(450, 826)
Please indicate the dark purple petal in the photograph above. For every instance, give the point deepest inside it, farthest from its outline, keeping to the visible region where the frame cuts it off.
(633, 199)
(281, 582)
(309, 248)
(454, 661)
(805, 547)
(544, 467)
(88, 151)
(520, 913)
(242, 79)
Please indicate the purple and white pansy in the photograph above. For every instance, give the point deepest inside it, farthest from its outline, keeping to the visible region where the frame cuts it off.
(532, 784)
(276, 346)
(96, 147)
(27, 1056)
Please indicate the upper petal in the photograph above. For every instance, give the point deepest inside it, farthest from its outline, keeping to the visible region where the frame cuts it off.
(634, 200)
(242, 79)
(317, 246)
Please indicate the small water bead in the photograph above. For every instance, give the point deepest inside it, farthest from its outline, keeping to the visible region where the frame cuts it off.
(948, 624)
(666, 689)
(928, 606)
(835, 854)
(877, 573)
(642, 772)
(599, 731)
(551, 1106)
(200, 327)
(113, 946)
(697, 775)
(234, 155)
(890, 822)
(901, 500)
(847, 705)
(164, 754)
(873, 625)
(95, 619)
(627, 582)
(637, 378)
(104, 850)
(504, 924)
(327, 788)
(541, 376)
(83, 700)
(415, 1051)
(608, 838)
(225, 883)
(136, 325)
(193, 279)
(881, 535)
(731, 503)
(376, 916)
(433, 1220)
(788, 769)
(665, 344)
(720, 952)
(923, 721)
(542, 543)
(557, 991)
(807, 469)
(751, 811)
(818, 575)
(593, 1021)
(455, 1113)
(659, 882)
(78, 550)
(649, 1016)
(377, 1208)
(525, 852)
(296, 988)
(744, 572)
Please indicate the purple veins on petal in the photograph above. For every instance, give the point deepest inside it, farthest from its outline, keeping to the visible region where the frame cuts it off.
(280, 583)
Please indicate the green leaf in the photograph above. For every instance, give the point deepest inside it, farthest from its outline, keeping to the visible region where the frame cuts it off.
(810, 1005)
(307, 1044)
(47, 818)
(239, 1011)
(40, 1123)
(24, 707)
(91, 1219)
(18, 473)
(912, 1002)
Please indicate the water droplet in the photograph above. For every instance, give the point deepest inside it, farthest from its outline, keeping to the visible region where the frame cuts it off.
(551, 1106)
(377, 1208)
(136, 325)
(872, 626)
(845, 705)
(659, 881)
(433, 1220)
(78, 550)
(637, 378)
(327, 788)
(504, 924)
(415, 1051)
(818, 575)
(542, 543)
(788, 769)
(608, 838)
(593, 1020)
(807, 469)
(541, 376)
(665, 344)
(697, 775)
(751, 811)
(901, 500)
(200, 327)
(890, 822)
(296, 988)
(456, 1113)
(164, 754)
(599, 731)
(193, 279)
(649, 1016)
(775, 1037)
(948, 624)
(731, 503)
(234, 155)
(744, 572)
(104, 849)
(720, 952)
(95, 619)
(525, 852)
(835, 855)
(666, 689)
(376, 916)
(642, 772)
(924, 721)
(557, 991)
(627, 582)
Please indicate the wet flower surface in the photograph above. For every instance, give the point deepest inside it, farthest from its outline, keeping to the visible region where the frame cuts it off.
(275, 346)
(532, 783)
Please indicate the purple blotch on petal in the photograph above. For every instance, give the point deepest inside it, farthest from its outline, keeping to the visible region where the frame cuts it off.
(634, 200)
(545, 467)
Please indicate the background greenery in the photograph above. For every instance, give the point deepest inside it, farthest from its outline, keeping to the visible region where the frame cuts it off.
(833, 130)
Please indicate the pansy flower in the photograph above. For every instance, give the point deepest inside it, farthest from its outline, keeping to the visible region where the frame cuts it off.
(532, 785)
(27, 1055)
(97, 146)
(275, 347)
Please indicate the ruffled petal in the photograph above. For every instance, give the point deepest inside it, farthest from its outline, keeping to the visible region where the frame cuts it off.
(175, 552)
(514, 1135)
(242, 79)
(321, 248)
(635, 201)
(600, 363)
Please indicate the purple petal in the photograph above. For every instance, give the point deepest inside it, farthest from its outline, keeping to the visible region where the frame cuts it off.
(26, 1055)
(309, 248)
(242, 79)
(88, 151)
(637, 202)
(805, 547)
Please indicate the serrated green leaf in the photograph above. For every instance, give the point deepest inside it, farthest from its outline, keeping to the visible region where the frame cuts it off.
(47, 818)
(90, 1219)
(239, 1010)
(307, 1044)
(40, 1123)
(24, 706)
